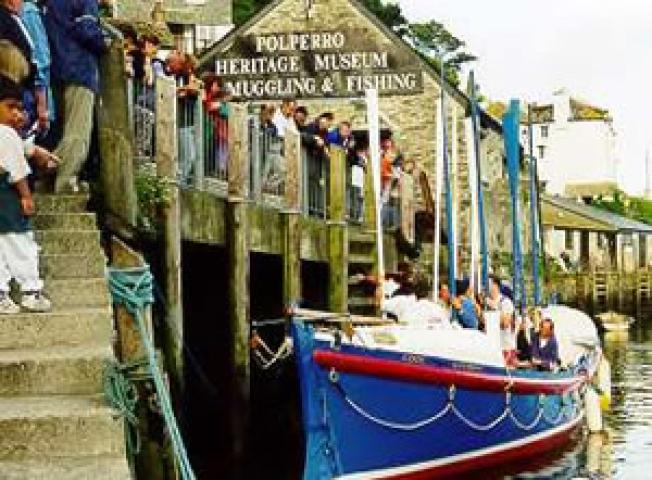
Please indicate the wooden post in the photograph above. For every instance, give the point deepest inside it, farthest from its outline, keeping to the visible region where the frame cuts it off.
(155, 459)
(198, 168)
(237, 222)
(167, 167)
(116, 137)
(338, 233)
(292, 217)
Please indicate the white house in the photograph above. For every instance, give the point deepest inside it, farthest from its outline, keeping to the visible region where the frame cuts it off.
(575, 144)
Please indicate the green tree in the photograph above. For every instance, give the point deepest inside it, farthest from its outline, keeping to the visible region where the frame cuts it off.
(433, 41)
(243, 10)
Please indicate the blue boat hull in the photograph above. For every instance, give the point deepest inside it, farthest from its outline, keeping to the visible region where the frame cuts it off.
(379, 414)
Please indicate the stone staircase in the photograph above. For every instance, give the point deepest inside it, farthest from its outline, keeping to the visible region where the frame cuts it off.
(362, 260)
(54, 423)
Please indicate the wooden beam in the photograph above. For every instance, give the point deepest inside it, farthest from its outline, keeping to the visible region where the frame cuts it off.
(292, 219)
(338, 233)
(238, 233)
(168, 168)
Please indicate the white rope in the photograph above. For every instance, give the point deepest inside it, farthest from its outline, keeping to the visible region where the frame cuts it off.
(530, 426)
(450, 407)
(406, 427)
(284, 351)
(476, 426)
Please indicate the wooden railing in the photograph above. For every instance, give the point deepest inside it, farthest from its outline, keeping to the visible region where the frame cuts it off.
(219, 152)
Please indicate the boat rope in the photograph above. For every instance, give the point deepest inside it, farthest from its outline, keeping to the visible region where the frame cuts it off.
(450, 407)
(265, 356)
(133, 288)
(121, 393)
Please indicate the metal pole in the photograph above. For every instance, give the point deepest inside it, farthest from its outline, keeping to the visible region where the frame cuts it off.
(534, 212)
(373, 117)
(449, 192)
(484, 252)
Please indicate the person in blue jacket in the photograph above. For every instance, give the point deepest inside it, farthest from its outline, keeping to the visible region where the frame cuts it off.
(544, 348)
(38, 103)
(76, 43)
(464, 305)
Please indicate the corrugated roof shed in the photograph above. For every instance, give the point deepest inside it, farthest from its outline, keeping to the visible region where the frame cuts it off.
(585, 217)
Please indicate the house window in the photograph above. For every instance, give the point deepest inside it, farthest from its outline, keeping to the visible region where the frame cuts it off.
(544, 131)
(602, 240)
(570, 240)
(627, 240)
(542, 151)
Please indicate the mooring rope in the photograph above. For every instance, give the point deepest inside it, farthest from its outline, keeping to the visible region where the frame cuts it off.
(132, 288)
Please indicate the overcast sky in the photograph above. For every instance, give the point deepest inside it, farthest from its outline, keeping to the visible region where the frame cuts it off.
(601, 50)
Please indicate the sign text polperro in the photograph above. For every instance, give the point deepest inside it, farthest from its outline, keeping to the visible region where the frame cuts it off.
(313, 65)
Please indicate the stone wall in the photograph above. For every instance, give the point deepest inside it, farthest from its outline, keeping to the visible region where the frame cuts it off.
(189, 12)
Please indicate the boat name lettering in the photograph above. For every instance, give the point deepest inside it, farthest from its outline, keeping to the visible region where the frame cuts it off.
(412, 358)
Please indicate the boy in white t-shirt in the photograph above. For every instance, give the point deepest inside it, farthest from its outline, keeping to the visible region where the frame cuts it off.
(18, 250)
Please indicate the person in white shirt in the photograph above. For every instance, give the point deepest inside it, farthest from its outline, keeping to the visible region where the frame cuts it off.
(508, 323)
(284, 117)
(417, 309)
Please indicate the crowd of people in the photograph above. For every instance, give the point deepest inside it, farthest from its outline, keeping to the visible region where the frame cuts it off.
(526, 340)
(323, 132)
(49, 78)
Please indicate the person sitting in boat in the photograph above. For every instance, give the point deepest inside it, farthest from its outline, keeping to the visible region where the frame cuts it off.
(418, 310)
(544, 349)
(464, 306)
(402, 299)
(501, 303)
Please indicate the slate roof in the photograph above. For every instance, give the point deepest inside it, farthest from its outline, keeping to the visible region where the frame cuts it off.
(602, 218)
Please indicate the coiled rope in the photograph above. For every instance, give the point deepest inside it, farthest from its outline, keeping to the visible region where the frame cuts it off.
(122, 394)
(132, 288)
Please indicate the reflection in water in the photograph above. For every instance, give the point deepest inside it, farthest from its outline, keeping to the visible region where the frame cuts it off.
(624, 451)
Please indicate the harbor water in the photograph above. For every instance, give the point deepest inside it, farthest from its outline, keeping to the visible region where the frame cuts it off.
(624, 451)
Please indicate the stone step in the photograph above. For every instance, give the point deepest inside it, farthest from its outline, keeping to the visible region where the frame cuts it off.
(362, 237)
(68, 241)
(41, 429)
(84, 468)
(78, 293)
(75, 293)
(65, 221)
(53, 370)
(68, 266)
(67, 327)
(47, 203)
(362, 259)
(359, 302)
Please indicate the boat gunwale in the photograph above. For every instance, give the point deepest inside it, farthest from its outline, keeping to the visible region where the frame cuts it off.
(427, 373)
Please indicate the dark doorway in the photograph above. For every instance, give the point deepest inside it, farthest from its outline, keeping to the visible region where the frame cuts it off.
(584, 250)
(276, 443)
(207, 359)
(314, 285)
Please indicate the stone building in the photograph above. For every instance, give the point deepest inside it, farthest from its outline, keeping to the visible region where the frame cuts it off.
(575, 144)
(324, 56)
(195, 24)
